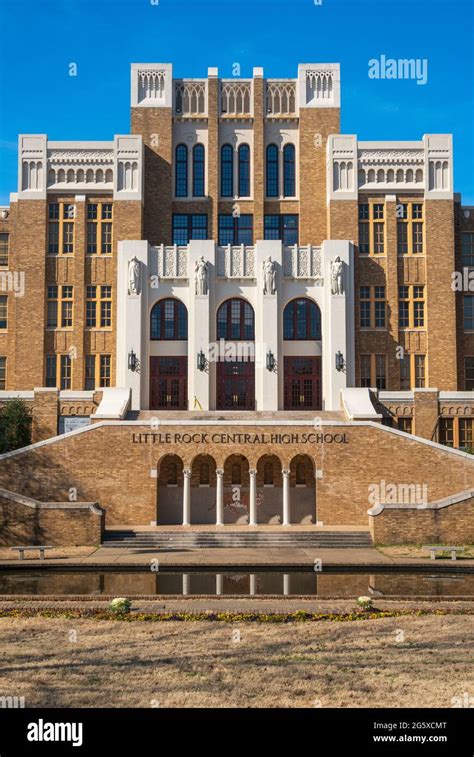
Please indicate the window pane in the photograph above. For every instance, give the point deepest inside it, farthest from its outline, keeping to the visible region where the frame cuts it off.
(227, 171)
(181, 169)
(272, 171)
(244, 171)
(289, 171)
(198, 170)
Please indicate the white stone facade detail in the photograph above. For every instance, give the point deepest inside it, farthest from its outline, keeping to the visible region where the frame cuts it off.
(319, 85)
(190, 97)
(281, 98)
(32, 166)
(236, 97)
(152, 85)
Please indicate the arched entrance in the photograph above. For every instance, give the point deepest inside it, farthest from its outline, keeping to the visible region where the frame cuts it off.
(170, 491)
(236, 490)
(269, 490)
(203, 490)
(169, 368)
(302, 490)
(235, 374)
(302, 363)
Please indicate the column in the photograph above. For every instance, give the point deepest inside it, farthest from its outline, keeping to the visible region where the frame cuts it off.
(219, 584)
(253, 498)
(286, 496)
(185, 584)
(286, 584)
(187, 496)
(253, 584)
(220, 497)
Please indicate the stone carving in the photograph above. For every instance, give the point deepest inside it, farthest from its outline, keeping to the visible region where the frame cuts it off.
(269, 276)
(337, 283)
(201, 276)
(134, 276)
(5, 213)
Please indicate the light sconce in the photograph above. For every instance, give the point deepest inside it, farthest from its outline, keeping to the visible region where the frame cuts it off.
(270, 361)
(132, 361)
(201, 361)
(340, 362)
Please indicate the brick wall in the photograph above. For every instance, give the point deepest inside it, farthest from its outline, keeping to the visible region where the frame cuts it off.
(65, 525)
(448, 525)
(107, 466)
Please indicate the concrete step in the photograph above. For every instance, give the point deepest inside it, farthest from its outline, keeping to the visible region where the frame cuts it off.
(203, 540)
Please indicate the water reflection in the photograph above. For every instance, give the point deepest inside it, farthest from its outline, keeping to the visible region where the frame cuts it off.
(236, 583)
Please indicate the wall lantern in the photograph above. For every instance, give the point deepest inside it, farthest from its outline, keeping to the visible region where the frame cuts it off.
(340, 362)
(132, 361)
(270, 361)
(201, 361)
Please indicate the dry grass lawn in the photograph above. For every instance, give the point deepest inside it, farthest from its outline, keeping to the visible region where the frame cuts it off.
(190, 664)
(417, 551)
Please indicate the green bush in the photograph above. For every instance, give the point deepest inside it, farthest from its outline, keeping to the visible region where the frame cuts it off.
(15, 426)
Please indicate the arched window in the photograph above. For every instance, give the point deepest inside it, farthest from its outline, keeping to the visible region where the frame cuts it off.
(169, 320)
(227, 171)
(198, 170)
(204, 474)
(235, 320)
(244, 171)
(268, 473)
(236, 475)
(272, 171)
(300, 474)
(181, 168)
(289, 171)
(302, 320)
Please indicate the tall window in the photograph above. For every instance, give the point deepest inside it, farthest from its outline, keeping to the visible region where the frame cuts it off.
(3, 249)
(244, 171)
(99, 228)
(169, 320)
(61, 228)
(61, 379)
(411, 306)
(3, 372)
(289, 185)
(90, 372)
(97, 365)
(302, 320)
(66, 306)
(272, 171)
(372, 307)
(469, 373)
(284, 227)
(373, 371)
(468, 304)
(3, 311)
(181, 171)
(420, 371)
(235, 320)
(413, 371)
(66, 370)
(198, 170)
(235, 229)
(410, 228)
(467, 248)
(405, 372)
(188, 226)
(98, 306)
(371, 228)
(227, 171)
(52, 307)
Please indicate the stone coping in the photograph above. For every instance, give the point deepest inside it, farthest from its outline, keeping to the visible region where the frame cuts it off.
(453, 499)
(21, 499)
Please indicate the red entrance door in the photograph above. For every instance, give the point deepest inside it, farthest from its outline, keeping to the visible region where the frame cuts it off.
(302, 383)
(236, 385)
(168, 383)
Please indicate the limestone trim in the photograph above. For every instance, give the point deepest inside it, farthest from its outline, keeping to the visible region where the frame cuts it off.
(439, 504)
(36, 504)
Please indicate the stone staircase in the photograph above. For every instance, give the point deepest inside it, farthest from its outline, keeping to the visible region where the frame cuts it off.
(131, 539)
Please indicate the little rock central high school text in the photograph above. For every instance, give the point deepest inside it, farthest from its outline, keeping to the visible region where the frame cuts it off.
(237, 273)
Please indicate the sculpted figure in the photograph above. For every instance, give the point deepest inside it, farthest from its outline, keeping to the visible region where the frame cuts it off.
(337, 283)
(201, 276)
(269, 276)
(134, 276)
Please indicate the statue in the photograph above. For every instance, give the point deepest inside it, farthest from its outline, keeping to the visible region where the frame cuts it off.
(337, 283)
(134, 276)
(201, 276)
(269, 276)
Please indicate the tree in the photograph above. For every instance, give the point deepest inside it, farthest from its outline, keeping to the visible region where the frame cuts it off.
(15, 425)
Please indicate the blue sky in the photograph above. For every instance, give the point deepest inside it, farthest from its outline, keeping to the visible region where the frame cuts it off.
(40, 38)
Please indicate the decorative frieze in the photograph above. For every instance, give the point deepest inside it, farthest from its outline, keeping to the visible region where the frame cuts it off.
(302, 262)
(172, 261)
(281, 97)
(236, 97)
(235, 262)
(190, 97)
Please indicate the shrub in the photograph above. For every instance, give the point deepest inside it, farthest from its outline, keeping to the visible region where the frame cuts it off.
(365, 603)
(15, 426)
(120, 605)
